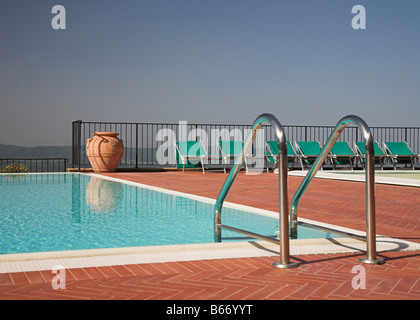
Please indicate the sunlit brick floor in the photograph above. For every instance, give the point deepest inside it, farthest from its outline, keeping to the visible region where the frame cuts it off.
(325, 276)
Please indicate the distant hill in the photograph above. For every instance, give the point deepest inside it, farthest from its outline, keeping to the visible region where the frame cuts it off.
(12, 151)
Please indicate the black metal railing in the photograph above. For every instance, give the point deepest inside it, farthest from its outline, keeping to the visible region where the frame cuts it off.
(10, 165)
(145, 142)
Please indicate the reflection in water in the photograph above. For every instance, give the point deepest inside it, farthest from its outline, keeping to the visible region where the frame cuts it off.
(103, 196)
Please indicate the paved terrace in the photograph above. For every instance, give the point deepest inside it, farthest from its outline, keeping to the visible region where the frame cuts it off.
(321, 276)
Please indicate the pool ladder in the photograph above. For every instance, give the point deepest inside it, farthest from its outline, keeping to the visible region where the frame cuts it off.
(283, 240)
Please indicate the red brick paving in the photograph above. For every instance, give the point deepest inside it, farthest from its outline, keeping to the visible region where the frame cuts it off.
(327, 276)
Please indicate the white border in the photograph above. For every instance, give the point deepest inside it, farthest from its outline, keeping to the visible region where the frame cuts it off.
(359, 176)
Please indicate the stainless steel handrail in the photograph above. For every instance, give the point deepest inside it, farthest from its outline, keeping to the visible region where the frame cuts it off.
(370, 186)
(283, 195)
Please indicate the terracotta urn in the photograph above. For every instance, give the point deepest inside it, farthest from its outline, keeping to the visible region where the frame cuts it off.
(104, 151)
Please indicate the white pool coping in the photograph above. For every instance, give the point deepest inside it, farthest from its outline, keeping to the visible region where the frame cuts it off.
(161, 254)
(26, 262)
(360, 177)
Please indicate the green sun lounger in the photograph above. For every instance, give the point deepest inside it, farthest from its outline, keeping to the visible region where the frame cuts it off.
(309, 151)
(342, 154)
(380, 156)
(230, 150)
(272, 154)
(400, 153)
(191, 154)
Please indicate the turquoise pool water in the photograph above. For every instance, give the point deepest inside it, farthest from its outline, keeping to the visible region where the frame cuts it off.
(55, 212)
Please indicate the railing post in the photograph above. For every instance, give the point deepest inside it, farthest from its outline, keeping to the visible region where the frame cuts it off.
(137, 145)
(370, 184)
(370, 203)
(76, 143)
(283, 193)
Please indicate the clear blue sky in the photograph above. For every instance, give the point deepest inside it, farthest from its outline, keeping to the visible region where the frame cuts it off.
(206, 61)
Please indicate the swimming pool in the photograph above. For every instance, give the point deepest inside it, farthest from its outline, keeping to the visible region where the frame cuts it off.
(72, 211)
